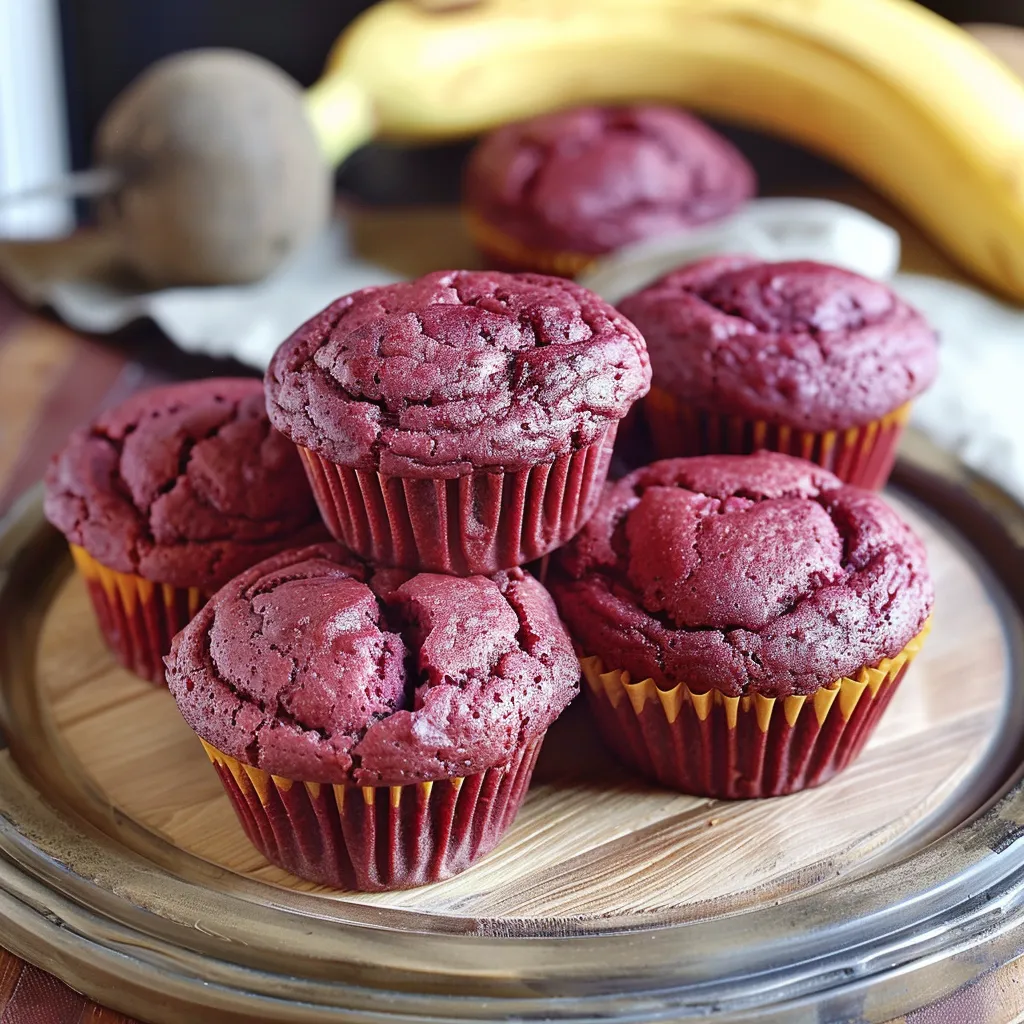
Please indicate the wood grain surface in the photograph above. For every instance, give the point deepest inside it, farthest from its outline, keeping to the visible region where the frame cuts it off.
(592, 841)
(52, 379)
(36, 415)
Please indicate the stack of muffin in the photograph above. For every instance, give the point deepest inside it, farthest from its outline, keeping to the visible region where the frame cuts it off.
(374, 704)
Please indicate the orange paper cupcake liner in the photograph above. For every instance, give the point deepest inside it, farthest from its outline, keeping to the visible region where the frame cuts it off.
(475, 524)
(507, 253)
(709, 744)
(138, 618)
(862, 455)
(374, 838)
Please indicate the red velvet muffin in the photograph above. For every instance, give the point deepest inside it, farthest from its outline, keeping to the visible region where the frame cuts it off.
(744, 620)
(373, 732)
(553, 193)
(459, 423)
(166, 497)
(802, 358)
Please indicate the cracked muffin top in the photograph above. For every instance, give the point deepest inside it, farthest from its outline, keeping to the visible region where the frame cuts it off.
(800, 343)
(186, 484)
(310, 668)
(593, 179)
(742, 573)
(456, 371)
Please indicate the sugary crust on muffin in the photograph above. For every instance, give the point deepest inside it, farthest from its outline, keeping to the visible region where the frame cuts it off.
(185, 484)
(308, 667)
(457, 371)
(801, 343)
(593, 179)
(745, 574)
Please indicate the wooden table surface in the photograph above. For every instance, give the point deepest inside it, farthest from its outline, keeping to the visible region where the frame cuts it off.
(52, 379)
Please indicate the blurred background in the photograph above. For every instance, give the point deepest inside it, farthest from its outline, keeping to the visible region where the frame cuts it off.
(74, 56)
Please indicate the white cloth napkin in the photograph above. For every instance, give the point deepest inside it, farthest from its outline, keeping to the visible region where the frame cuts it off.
(976, 406)
(774, 229)
(246, 322)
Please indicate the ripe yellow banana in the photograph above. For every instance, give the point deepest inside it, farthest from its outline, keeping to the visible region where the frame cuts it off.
(902, 98)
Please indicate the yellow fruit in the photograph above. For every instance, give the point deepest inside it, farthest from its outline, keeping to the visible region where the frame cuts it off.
(901, 97)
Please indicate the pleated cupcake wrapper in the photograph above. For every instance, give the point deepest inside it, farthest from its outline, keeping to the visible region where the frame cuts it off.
(478, 523)
(138, 618)
(710, 744)
(376, 837)
(861, 455)
(508, 253)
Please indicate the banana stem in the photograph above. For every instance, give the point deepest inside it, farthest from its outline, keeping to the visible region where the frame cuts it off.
(341, 114)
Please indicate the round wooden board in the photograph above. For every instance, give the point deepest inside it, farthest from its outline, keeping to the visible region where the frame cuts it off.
(593, 845)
